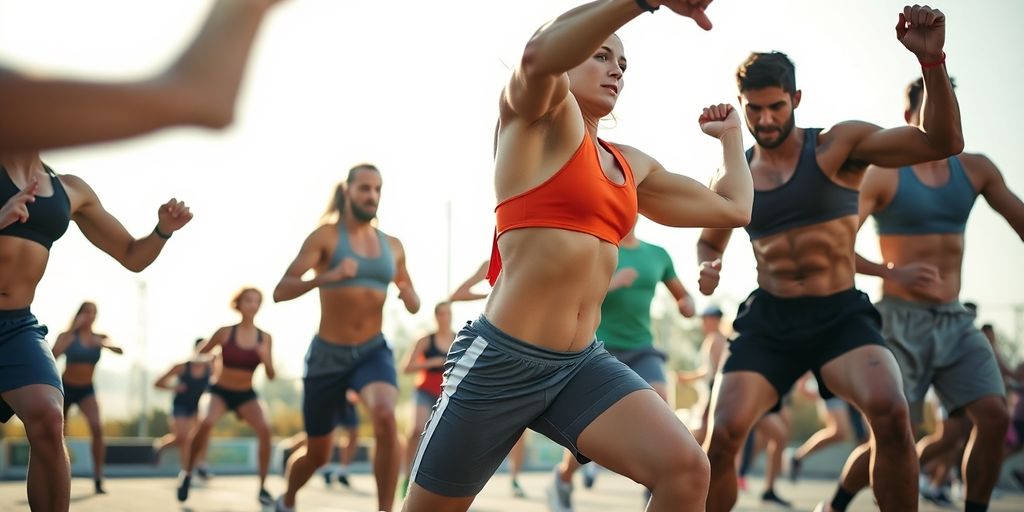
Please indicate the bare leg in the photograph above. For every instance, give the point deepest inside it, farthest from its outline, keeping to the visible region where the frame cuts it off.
(664, 457)
(380, 399)
(776, 432)
(303, 463)
(201, 436)
(420, 419)
(983, 456)
(41, 408)
(740, 400)
(91, 410)
(252, 413)
(869, 378)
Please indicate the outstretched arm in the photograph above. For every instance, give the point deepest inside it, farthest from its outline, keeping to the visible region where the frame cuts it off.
(200, 88)
(110, 236)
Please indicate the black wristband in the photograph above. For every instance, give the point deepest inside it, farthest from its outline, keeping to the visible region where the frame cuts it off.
(161, 234)
(646, 6)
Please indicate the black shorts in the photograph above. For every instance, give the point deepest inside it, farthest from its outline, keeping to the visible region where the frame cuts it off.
(233, 399)
(783, 338)
(75, 394)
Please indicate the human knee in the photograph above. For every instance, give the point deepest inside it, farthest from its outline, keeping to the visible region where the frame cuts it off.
(991, 418)
(45, 426)
(383, 417)
(686, 471)
(889, 416)
(319, 455)
(262, 432)
(727, 435)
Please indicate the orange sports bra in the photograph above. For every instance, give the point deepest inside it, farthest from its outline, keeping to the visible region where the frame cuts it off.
(579, 197)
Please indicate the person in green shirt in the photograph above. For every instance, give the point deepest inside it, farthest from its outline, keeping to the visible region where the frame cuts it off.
(625, 330)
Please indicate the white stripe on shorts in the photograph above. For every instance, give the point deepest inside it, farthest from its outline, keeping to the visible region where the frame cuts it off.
(451, 385)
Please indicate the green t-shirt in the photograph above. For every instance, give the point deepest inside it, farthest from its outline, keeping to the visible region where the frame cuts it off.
(626, 312)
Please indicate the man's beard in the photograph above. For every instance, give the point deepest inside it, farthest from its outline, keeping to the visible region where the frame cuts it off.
(361, 214)
(783, 135)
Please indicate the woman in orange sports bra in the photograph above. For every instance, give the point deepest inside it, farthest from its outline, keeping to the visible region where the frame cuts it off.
(566, 199)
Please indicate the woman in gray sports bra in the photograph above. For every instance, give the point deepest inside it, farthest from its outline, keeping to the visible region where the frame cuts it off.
(81, 348)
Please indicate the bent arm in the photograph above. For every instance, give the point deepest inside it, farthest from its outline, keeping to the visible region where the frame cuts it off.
(539, 83)
(463, 293)
(109, 235)
(676, 200)
(164, 382)
(292, 285)
(200, 88)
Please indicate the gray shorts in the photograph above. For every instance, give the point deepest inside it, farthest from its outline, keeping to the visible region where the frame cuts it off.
(938, 345)
(648, 362)
(495, 387)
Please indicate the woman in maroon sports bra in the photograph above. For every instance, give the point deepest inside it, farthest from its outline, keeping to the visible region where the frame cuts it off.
(243, 347)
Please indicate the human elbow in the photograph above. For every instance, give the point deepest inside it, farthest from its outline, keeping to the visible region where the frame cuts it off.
(135, 267)
(957, 144)
(279, 295)
(218, 118)
(532, 62)
(738, 217)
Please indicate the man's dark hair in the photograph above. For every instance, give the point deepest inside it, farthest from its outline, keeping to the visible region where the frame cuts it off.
(760, 70)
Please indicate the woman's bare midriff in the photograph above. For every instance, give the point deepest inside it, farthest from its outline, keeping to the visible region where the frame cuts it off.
(78, 374)
(551, 287)
(22, 263)
(234, 379)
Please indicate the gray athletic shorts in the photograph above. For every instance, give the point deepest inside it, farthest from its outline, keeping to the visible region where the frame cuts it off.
(938, 345)
(648, 362)
(495, 387)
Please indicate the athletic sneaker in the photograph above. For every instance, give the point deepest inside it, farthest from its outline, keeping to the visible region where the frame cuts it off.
(794, 468)
(204, 472)
(769, 498)
(1018, 477)
(517, 490)
(559, 494)
(328, 476)
(265, 498)
(279, 505)
(343, 480)
(938, 497)
(99, 486)
(186, 482)
(741, 483)
(589, 474)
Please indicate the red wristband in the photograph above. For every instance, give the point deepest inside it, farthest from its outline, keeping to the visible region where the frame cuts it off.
(934, 64)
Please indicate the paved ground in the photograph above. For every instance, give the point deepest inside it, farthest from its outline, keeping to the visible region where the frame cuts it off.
(238, 493)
